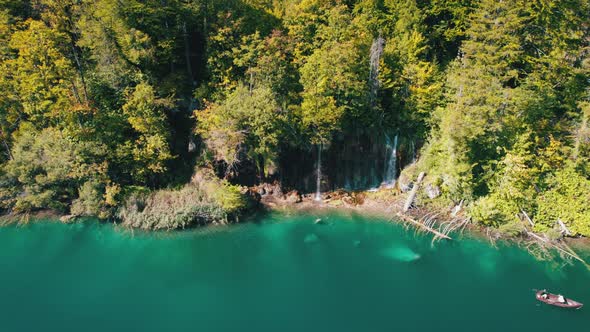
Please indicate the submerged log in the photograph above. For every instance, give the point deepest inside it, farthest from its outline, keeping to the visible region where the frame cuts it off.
(414, 192)
(421, 225)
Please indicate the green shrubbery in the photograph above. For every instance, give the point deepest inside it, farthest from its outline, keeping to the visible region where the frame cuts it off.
(195, 204)
(568, 199)
(47, 169)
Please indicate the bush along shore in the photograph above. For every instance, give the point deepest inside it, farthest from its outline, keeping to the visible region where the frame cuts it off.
(205, 200)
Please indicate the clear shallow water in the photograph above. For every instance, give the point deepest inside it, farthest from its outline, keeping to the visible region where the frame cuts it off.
(281, 274)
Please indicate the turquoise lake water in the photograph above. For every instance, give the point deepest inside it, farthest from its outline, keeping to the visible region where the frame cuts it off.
(282, 273)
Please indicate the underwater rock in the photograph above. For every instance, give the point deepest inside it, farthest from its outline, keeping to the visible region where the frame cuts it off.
(357, 243)
(402, 254)
(311, 238)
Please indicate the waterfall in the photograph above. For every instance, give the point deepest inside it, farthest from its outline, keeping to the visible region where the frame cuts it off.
(391, 167)
(413, 148)
(318, 193)
(376, 52)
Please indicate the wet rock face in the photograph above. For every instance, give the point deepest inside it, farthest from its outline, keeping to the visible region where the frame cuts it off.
(432, 191)
(272, 189)
(253, 194)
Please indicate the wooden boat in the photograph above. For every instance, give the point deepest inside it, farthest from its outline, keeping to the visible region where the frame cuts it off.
(557, 300)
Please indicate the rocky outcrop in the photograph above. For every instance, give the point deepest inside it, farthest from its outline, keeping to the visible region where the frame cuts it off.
(432, 191)
(293, 197)
(68, 218)
(404, 182)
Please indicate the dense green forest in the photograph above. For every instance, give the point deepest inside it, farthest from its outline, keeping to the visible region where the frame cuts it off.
(109, 106)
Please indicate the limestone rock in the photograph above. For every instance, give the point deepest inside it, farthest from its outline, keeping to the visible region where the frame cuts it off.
(68, 218)
(432, 191)
(293, 197)
(404, 183)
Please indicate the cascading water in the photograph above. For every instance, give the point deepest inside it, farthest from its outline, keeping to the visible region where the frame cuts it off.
(318, 193)
(390, 175)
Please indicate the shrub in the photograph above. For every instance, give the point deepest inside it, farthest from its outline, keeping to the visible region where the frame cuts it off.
(195, 204)
(567, 200)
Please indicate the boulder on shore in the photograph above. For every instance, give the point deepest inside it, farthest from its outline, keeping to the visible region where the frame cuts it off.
(404, 183)
(433, 191)
(293, 197)
(68, 218)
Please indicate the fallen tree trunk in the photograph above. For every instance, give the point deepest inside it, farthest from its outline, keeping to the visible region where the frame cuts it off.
(569, 252)
(421, 225)
(414, 192)
(528, 218)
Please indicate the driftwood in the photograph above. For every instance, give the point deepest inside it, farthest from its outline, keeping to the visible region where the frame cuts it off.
(528, 218)
(421, 225)
(564, 231)
(414, 192)
(457, 208)
(568, 251)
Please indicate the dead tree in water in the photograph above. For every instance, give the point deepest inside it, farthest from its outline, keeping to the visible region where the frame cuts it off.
(428, 222)
(423, 226)
(544, 242)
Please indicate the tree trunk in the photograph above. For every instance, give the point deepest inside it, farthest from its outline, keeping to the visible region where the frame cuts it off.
(79, 67)
(187, 54)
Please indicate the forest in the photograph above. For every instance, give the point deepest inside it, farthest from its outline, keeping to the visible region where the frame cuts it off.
(160, 112)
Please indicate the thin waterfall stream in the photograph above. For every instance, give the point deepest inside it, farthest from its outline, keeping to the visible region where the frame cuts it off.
(318, 193)
(390, 175)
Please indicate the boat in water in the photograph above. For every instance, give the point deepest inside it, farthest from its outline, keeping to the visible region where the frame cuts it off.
(557, 300)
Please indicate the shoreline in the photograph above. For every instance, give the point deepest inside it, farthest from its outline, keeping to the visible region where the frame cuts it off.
(384, 204)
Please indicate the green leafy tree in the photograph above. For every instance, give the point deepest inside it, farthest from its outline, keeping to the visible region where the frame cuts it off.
(42, 78)
(47, 168)
(247, 123)
(148, 147)
(567, 201)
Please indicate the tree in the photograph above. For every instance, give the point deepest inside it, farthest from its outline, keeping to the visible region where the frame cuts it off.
(42, 78)
(335, 79)
(47, 168)
(475, 124)
(148, 146)
(246, 123)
